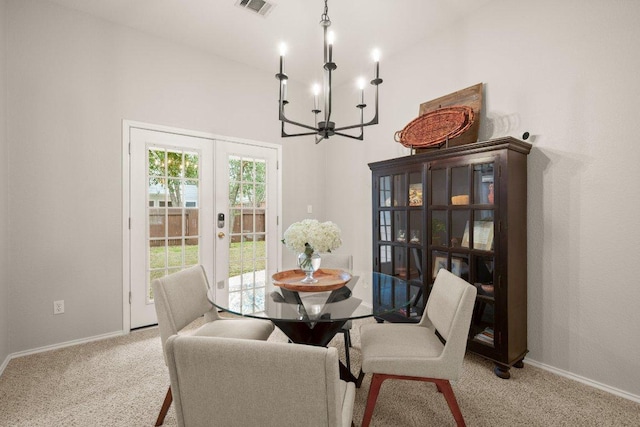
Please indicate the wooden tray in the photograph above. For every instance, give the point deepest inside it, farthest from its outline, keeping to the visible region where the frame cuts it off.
(328, 280)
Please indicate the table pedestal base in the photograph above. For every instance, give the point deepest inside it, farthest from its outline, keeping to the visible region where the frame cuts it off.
(318, 334)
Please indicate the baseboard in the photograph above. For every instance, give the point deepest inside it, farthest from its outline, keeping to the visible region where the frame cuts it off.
(4, 364)
(58, 346)
(584, 380)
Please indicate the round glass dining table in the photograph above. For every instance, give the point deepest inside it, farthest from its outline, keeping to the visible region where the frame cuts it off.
(314, 318)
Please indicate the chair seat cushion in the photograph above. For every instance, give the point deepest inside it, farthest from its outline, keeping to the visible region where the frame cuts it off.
(400, 349)
(252, 329)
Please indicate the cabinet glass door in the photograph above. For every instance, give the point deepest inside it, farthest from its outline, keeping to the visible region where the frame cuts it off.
(462, 234)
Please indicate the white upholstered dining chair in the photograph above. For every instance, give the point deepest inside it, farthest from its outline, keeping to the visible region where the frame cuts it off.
(432, 350)
(180, 298)
(230, 382)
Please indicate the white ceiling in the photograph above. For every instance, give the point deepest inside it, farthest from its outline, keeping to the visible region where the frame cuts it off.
(221, 28)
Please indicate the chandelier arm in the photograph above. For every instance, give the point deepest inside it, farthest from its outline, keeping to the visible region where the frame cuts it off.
(359, 125)
(373, 121)
(360, 137)
(287, 135)
(284, 120)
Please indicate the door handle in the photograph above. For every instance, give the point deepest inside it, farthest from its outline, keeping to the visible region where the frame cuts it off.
(221, 235)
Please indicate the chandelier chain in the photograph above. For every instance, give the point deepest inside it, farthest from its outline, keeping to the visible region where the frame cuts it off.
(324, 19)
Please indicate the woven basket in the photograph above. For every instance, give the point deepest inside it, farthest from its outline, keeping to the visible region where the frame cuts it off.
(436, 127)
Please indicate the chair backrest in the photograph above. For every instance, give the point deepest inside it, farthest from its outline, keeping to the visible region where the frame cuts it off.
(231, 382)
(180, 298)
(449, 309)
(337, 261)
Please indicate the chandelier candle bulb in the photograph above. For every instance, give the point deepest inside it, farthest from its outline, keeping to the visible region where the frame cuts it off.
(316, 91)
(376, 59)
(330, 39)
(361, 85)
(283, 51)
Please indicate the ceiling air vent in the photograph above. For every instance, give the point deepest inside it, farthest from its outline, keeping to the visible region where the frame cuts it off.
(260, 7)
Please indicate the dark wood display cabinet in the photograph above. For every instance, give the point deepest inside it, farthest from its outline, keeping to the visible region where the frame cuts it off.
(463, 209)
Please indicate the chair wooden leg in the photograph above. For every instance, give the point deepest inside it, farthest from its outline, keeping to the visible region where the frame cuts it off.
(165, 407)
(374, 390)
(445, 387)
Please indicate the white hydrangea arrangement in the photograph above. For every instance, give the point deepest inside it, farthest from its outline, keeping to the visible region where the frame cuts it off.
(310, 235)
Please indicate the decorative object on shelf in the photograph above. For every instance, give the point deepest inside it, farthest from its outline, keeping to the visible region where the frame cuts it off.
(462, 199)
(308, 237)
(439, 262)
(470, 97)
(415, 194)
(327, 128)
(327, 280)
(482, 235)
(491, 195)
(435, 128)
(438, 227)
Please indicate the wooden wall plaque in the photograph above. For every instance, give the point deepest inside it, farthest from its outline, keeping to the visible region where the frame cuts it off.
(471, 97)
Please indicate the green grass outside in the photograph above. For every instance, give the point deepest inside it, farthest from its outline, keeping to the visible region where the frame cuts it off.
(237, 252)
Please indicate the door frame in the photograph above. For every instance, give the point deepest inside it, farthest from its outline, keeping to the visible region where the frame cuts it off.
(127, 126)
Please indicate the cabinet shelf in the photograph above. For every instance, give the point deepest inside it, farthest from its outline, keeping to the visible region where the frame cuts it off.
(454, 202)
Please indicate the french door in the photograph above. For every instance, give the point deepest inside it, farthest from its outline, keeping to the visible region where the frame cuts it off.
(248, 237)
(171, 212)
(198, 199)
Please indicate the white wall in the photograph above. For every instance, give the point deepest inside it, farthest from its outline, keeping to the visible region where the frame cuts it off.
(71, 80)
(568, 73)
(4, 225)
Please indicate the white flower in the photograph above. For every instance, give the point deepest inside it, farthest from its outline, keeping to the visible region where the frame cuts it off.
(321, 237)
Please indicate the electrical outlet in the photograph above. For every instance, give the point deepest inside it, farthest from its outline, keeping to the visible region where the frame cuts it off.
(58, 307)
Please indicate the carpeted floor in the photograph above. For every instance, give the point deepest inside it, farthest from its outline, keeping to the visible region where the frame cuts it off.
(122, 381)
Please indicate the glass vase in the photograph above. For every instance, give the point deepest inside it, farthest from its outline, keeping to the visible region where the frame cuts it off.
(309, 263)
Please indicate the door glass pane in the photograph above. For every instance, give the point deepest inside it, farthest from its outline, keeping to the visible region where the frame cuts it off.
(460, 265)
(175, 251)
(438, 260)
(415, 264)
(400, 262)
(399, 190)
(248, 239)
(400, 226)
(174, 222)
(439, 228)
(459, 223)
(439, 187)
(483, 320)
(172, 212)
(483, 183)
(385, 226)
(415, 227)
(460, 185)
(385, 259)
(385, 191)
(415, 189)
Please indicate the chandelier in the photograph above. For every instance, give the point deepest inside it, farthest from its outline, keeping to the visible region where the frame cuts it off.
(326, 128)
